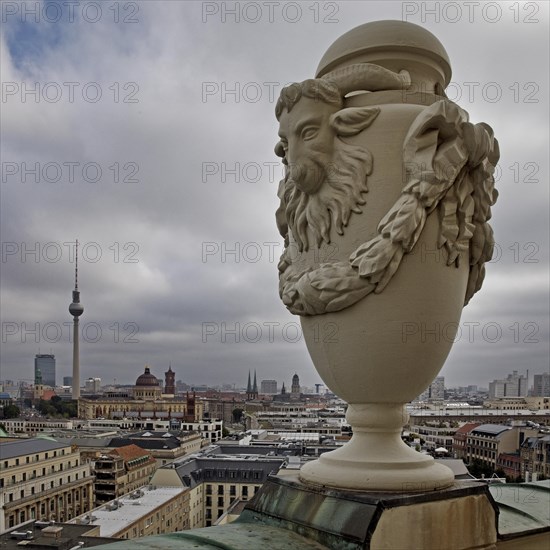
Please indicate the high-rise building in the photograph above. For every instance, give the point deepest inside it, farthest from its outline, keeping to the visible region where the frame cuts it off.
(93, 385)
(268, 387)
(76, 309)
(435, 391)
(514, 385)
(541, 385)
(45, 363)
(67, 380)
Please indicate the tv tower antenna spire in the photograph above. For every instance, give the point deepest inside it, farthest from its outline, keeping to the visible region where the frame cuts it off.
(76, 309)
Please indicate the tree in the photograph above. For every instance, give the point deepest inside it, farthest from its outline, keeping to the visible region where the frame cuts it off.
(11, 411)
(237, 415)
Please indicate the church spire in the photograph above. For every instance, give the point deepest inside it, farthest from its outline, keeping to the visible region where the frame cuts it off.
(255, 386)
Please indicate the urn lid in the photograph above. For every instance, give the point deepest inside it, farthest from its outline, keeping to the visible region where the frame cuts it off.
(392, 44)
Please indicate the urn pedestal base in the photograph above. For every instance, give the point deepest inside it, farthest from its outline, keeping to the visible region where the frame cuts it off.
(376, 458)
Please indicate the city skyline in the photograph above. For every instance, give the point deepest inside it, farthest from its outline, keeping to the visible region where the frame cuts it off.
(178, 242)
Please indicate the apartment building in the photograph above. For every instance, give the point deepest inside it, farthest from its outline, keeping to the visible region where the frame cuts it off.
(33, 426)
(42, 479)
(163, 445)
(147, 511)
(488, 441)
(535, 458)
(541, 385)
(435, 436)
(217, 480)
(121, 471)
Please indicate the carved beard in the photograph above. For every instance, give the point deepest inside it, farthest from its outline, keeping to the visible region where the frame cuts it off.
(339, 196)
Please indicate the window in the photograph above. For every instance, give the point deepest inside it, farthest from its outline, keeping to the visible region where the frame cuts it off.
(220, 489)
(220, 502)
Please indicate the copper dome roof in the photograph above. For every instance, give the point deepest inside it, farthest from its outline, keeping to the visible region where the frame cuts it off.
(147, 379)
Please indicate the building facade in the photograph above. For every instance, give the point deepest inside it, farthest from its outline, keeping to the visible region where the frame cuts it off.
(92, 385)
(42, 479)
(45, 363)
(295, 388)
(144, 512)
(268, 387)
(487, 441)
(514, 385)
(120, 471)
(435, 391)
(216, 481)
(145, 400)
(170, 381)
(541, 385)
(535, 458)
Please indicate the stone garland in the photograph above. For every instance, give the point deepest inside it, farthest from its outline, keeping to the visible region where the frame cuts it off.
(450, 165)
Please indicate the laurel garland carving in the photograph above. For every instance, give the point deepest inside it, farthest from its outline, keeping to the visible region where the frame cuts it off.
(450, 165)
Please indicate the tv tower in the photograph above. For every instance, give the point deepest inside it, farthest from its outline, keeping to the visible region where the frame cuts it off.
(76, 309)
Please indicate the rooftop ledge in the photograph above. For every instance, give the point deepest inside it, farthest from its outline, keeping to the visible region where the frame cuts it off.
(288, 514)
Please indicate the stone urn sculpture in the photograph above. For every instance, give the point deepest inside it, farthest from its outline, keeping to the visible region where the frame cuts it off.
(384, 209)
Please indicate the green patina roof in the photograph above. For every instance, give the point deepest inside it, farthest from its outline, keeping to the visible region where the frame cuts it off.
(523, 507)
(234, 536)
(286, 515)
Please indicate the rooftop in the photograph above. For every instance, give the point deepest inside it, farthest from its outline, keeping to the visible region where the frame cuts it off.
(71, 535)
(524, 507)
(129, 510)
(491, 429)
(22, 447)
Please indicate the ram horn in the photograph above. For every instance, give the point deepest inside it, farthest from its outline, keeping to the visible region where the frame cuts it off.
(368, 77)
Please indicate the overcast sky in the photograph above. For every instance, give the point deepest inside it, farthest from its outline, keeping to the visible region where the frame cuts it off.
(137, 128)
